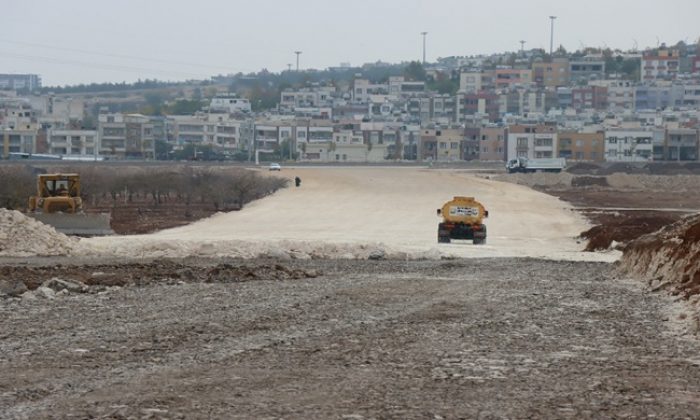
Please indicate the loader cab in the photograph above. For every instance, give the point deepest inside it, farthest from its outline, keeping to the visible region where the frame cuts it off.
(59, 185)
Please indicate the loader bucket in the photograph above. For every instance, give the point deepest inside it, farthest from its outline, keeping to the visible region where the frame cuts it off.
(78, 224)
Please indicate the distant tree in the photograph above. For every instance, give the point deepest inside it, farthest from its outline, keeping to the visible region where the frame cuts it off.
(183, 107)
(414, 71)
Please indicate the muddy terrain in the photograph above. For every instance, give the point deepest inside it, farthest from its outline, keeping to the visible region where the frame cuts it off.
(342, 339)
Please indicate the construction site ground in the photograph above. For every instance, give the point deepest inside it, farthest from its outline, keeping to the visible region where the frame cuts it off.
(527, 326)
(490, 338)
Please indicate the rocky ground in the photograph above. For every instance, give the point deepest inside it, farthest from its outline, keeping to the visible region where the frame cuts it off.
(340, 339)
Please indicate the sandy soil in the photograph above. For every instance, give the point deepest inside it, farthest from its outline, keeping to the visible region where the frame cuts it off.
(389, 208)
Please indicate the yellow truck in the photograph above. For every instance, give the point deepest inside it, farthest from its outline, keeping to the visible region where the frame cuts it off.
(462, 218)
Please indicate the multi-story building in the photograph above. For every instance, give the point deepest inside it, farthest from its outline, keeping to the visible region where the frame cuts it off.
(481, 103)
(691, 95)
(660, 64)
(532, 142)
(126, 136)
(681, 144)
(230, 103)
(216, 130)
(581, 146)
(475, 81)
(492, 143)
(589, 97)
(586, 69)
(362, 90)
(629, 145)
(658, 96)
(621, 94)
(551, 74)
(19, 139)
(505, 78)
(307, 98)
(30, 82)
(400, 87)
(82, 143)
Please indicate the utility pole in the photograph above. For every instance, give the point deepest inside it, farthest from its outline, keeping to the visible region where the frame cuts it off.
(551, 37)
(289, 67)
(424, 34)
(298, 53)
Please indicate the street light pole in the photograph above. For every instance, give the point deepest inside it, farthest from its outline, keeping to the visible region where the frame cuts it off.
(424, 34)
(297, 53)
(551, 37)
(522, 47)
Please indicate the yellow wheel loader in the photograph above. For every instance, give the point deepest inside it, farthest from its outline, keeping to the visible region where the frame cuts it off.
(57, 203)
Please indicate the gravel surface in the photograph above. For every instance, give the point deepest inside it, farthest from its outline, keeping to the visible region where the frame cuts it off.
(490, 338)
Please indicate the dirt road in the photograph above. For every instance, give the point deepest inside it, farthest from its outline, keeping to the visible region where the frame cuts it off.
(393, 208)
(503, 338)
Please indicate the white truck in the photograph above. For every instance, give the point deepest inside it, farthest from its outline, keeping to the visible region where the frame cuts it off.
(524, 165)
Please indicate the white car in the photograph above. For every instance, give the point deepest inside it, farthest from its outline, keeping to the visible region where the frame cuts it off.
(275, 167)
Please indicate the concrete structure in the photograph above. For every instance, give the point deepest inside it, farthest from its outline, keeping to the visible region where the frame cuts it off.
(581, 146)
(589, 97)
(583, 70)
(658, 96)
(231, 104)
(551, 74)
(19, 140)
(126, 136)
(681, 144)
(475, 81)
(691, 95)
(81, 143)
(532, 142)
(492, 143)
(362, 89)
(629, 146)
(481, 104)
(30, 82)
(505, 78)
(660, 64)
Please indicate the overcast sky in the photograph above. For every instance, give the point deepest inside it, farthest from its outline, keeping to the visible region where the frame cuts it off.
(84, 41)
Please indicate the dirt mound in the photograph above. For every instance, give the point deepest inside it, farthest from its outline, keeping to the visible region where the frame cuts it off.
(582, 168)
(22, 236)
(668, 258)
(622, 228)
(627, 168)
(538, 179)
(589, 181)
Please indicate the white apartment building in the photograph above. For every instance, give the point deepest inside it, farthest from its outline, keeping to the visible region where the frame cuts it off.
(126, 135)
(475, 81)
(532, 145)
(621, 94)
(82, 143)
(216, 130)
(629, 145)
(363, 89)
(231, 104)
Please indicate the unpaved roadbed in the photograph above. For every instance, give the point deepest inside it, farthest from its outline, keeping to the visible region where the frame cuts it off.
(365, 339)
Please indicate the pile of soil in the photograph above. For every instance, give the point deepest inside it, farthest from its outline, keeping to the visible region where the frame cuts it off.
(668, 258)
(618, 228)
(583, 168)
(589, 181)
(22, 236)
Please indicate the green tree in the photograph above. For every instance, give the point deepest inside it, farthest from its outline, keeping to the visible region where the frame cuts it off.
(414, 71)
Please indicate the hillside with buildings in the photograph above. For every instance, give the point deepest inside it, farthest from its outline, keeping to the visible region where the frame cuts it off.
(593, 105)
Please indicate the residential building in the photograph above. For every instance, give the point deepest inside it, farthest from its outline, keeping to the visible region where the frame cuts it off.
(583, 70)
(578, 146)
(532, 142)
(506, 78)
(662, 63)
(681, 144)
(589, 97)
(362, 90)
(629, 145)
(82, 143)
(492, 143)
(19, 139)
(691, 95)
(230, 103)
(621, 94)
(481, 104)
(126, 136)
(658, 96)
(475, 81)
(551, 74)
(400, 87)
(30, 82)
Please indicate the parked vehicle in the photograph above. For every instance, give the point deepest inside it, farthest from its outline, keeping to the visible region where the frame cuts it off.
(462, 218)
(275, 167)
(535, 165)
